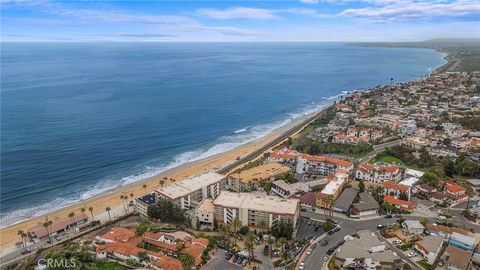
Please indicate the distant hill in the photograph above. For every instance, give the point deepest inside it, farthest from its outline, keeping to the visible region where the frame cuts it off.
(463, 54)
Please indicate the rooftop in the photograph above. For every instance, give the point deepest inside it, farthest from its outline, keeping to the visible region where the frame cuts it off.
(366, 202)
(206, 206)
(457, 257)
(148, 199)
(361, 247)
(413, 224)
(257, 202)
(264, 171)
(345, 200)
(188, 185)
(391, 185)
(431, 243)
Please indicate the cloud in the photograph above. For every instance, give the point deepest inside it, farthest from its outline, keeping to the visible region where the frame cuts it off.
(238, 13)
(415, 10)
(309, 1)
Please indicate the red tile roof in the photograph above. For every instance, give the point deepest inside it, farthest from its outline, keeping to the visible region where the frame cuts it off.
(118, 234)
(386, 168)
(392, 185)
(454, 188)
(336, 161)
(404, 205)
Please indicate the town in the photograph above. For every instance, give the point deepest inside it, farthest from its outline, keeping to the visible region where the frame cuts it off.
(385, 178)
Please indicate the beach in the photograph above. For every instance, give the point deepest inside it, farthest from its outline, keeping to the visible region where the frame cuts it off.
(9, 237)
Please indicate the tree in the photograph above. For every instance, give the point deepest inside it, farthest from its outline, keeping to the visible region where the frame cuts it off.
(250, 245)
(143, 226)
(167, 211)
(82, 210)
(162, 182)
(122, 198)
(430, 178)
(23, 235)
(91, 212)
(361, 186)
(187, 261)
(145, 188)
(236, 225)
(244, 230)
(47, 225)
(282, 228)
(262, 224)
(71, 215)
(108, 209)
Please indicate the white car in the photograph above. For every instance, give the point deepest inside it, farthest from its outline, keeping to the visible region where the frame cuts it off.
(441, 218)
(309, 251)
(302, 266)
(411, 254)
(325, 258)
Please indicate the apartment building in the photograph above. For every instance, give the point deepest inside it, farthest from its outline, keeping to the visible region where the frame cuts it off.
(250, 208)
(321, 165)
(188, 193)
(142, 203)
(378, 173)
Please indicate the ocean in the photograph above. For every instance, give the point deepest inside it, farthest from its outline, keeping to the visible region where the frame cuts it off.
(79, 119)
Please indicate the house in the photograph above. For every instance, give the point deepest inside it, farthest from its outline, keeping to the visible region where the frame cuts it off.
(456, 258)
(400, 204)
(250, 179)
(367, 206)
(142, 203)
(284, 189)
(250, 208)
(321, 165)
(352, 132)
(332, 190)
(462, 241)
(307, 201)
(189, 192)
(366, 252)
(429, 247)
(426, 189)
(284, 155)
(396, 190)
(116, 235)
(413, 227)
(378, 173)
(344, 202)
(455, 193)
(444, 231)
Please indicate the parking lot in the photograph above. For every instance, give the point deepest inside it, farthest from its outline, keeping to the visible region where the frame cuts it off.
(309, 228)
(219, 262)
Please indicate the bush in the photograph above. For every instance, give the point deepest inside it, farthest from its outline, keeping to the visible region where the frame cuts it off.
(327, 226)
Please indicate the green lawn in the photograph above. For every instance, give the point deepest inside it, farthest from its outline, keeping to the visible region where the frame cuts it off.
(106, 265)
(393, 160)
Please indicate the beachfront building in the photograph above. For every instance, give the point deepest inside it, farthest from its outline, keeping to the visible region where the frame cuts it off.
(59, 226)
(142, 203)
(284, 189)
(332, 190)
(188, 193)
(429, 247)
(321, 165)
(378, 173)
(366, 252)
(250, 208)
(250, 179)
(204, 214)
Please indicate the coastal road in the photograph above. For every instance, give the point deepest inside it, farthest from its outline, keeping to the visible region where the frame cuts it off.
(274, 142)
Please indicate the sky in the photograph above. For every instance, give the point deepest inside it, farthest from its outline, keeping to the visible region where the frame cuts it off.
(238, 21)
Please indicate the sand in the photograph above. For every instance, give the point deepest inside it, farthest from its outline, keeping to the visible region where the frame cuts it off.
(9, 237)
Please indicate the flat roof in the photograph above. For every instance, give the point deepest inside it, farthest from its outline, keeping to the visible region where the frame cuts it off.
(409, 182)
(261, 172)
(359, 248)
(258, 202)
(148, 199)
(188, 185)
(346, 199)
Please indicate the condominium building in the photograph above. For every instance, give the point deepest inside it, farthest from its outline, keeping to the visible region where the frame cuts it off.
(188, 193)
(378, 173)
(321, 165)
(142, 203)
(333, 189)
(250, 208)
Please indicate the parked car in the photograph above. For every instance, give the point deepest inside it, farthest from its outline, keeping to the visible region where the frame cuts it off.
(314, 245)
(302, 266)
(317, 228)
(324, 242)
(309, 251)
(266, 250)
(398, 216)
(330, 251)
(441, 218)
(340, 243)
(388, 216)
(325, 258)
(331, 232)
(411, 254)
(380, 226)
(337, 229)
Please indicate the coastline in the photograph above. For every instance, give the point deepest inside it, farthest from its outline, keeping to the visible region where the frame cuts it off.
(111, 198)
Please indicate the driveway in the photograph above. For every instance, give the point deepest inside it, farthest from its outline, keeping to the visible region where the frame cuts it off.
(219, 262)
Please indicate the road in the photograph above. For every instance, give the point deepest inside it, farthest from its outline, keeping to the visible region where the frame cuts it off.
(271, 144)
(378, 149)
(349, 226)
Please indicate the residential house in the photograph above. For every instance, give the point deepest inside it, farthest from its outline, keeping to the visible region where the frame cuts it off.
(366, 206)
(307, 201)
(429, 247)
(396, 190)
(413, 227)
(456, 258)
(403, 205)
(455, 193)
(345, 200)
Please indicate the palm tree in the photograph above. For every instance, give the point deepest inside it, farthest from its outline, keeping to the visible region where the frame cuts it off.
(162, 182)
(262, 224)
(282, 241)
(122, 198)
(145, 188)
(250, 245)
(82, 210)
(47, 224)
(187, 261)
(23, 235)
(72, 219)
(108, 210)
(172, 180)
(131, 196)
(91, 212)
(236, 225)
